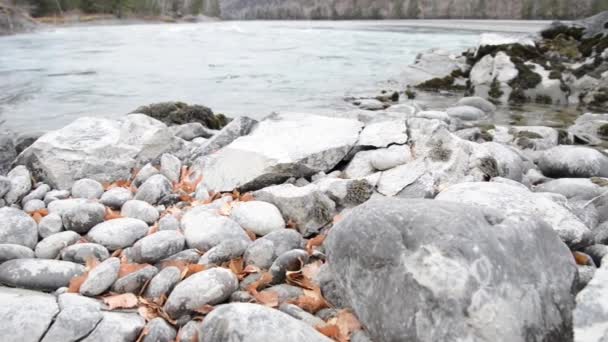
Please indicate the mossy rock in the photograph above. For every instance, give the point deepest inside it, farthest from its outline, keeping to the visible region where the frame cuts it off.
(600, 98)
(529, 135)
(495, 91)
(588, 69)
(526, 78)
(489, 167)
(518, 119)
(564, 46)
(518, 96)
(602, 131)
(178, 113)
(596, 44)
(565, 30)
(563, 138)
(437, 84)
(525, 143)
(410, 94)
(543, 99)
(515, 51)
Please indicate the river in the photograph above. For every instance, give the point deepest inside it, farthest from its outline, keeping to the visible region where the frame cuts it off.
(51, 77)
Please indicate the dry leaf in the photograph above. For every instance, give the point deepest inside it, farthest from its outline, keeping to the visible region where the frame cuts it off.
(111, 214)
(39, 214)
(291, 224)
(121, 301)
(251, 269)
(126, 269)
(236, 266)
(76, 282)
(185, 185)
(225, 210)
(247, 197)
(298, 279)
(117, 253)
(251, 235)
(311, 270)
(314, 242)
(330, 330)
(311, 301)
(117, 184)
(153, 229)
(145, 331)
(268, 298)
(347, 323)
(582, 259)
(205, 309)
(147, 312)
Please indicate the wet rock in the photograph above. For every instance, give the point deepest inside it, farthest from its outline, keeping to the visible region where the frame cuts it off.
(26, 315)
(83, 216)
(466, 113)
(238, 127)
(433, 63)
(134, 282)
(50, 247)
(157, 246)
(76, 319)
(26, 139)
(204, 229)
(168, 222)
(153, 189)
(346, 192)
(21, 184)
(423, 275)
(159, 331)
(37, 193)
(39, 274)
(477, 102)
(211, 287)
(279, 148)
(252, 322)
(170, 167)
(140, 210)
(383, 134)
(87, 188)
(178, 113)
(49, 225)
(163, 282)
(118, 233)
(116, 197)
(101, 278)
(307, 206)
(573, 161)
(590, 128)
(98, 149)
(10, 251)
(33, 205)
(81, 252)
(590, 317)
(117, 326)
(225, 251)
(16, 227)
(493, 73)
(289, 261)
(258, 217)
(515, 201)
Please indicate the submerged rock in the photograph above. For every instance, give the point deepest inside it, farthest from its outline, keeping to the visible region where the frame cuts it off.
(410, 246)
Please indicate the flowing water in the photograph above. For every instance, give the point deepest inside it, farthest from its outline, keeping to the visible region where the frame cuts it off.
(49, 78)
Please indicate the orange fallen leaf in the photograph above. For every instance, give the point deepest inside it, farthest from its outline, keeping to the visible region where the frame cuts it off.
(251, 235)
(205, 309)
(237, 266)
(251, 269)
(76, 282)
(225, 209)
(311, 301)
(314, 242)
(147, 313)
(247, 197)
(153, 229)
(347, 323)
(37, 215)
(581, 259)
(185, 184)
(268, 298)
(118, 184)
(291, 224)
(111, 214)
(145, 331)
(121, 301)
(311, 270)
(330, 330)
(126, 269)
(298, 279)
(117, 253)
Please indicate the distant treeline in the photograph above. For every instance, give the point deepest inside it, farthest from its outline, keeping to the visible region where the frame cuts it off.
(411, 9)
(121, 8)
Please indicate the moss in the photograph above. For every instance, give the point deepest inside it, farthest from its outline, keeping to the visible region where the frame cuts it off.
(596, 44)
(489, 167)
(525, 143)
(555, 75)
(587, 69)
(410, 93)
(561, 29)
(518, 119)
(602, 131)
(177, 113)
(486, 136)
(358, 191)
(436, 84)
(495, 91)
(563, 138)
(459, 73)
(517, 51)
(567, 116)
(600, 98)
(543, 99)
(438, 151)
(526, 78)
(395, 97)
(603, 182)
(518, 96)
(529, 135)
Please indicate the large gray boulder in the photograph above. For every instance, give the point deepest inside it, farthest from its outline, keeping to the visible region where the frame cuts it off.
(25, 315)
(244, 322)
(513, 200)
(16, 227)
(452, 272)
(236, 128)
(100, 149)
(280, 147)
(117, 326)
(591, 313)
(39, 274)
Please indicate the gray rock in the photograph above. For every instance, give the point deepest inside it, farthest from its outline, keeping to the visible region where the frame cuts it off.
(75, 321)
(573, 161)
(101, 278)
(384, 159)
(346, 192)
(168, 222)
(361, 165)
(409, 246)
(244, 322)
(146, 172)
(170, 167)
(260, 253)
(87, 188)
(190, 331)
(585, 274)
(477, 102)
(225, 251)
(204, 229)
(60, 206)
(307, 206)
(153, 189)
(16, 227)
(81, 252)
(597, 253)
(298, 313)
(516, 201)
(258, 217)
(292, 260)
(26, 315)
(279, 148)
(7, 151)
(117, 327)
(140, 210)
(465, 113)
(21, 184)
(157, 246)
(585, 211)
(5, 185)
(241, 297)
(37, 193)
(285, 292)
(571, 188)
(189, 256)
(591, 313)
(238, 127)
(383, 134)
(116, 197)
(285, 240)
(39, 274)
(33, 205)
(55, 195)
(134, 282)
(163, 282)
(190, 131)
(83, 216)
(587, 126)
(211, 287)
(98, 149)
(158, 330)
(118, 233)
(49, 225)
(10, 251)
(51, 246)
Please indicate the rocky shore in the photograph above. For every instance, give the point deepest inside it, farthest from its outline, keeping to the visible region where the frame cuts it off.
(386, 223)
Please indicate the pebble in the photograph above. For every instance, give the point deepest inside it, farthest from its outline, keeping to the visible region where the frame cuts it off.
(54, 195)
(87, 188)
(39, 274)
(16, 227)
(153, 189)
(289, 261)
(49, 225)
(21, 184)
(33, 205)
(5, 185)
(51, 246)
(168, 222)
(116, 197)
(101, 278)
(118, 233)
(259, 217)
(83, 216)
(140, 210)
(158, 330)
(204, 230)
(163, 282)
(157, 246)
(81, 252)
(146, 172)
(10, 251)
(37, 193)
(225, 251)
(170, 167)
(134, 282)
